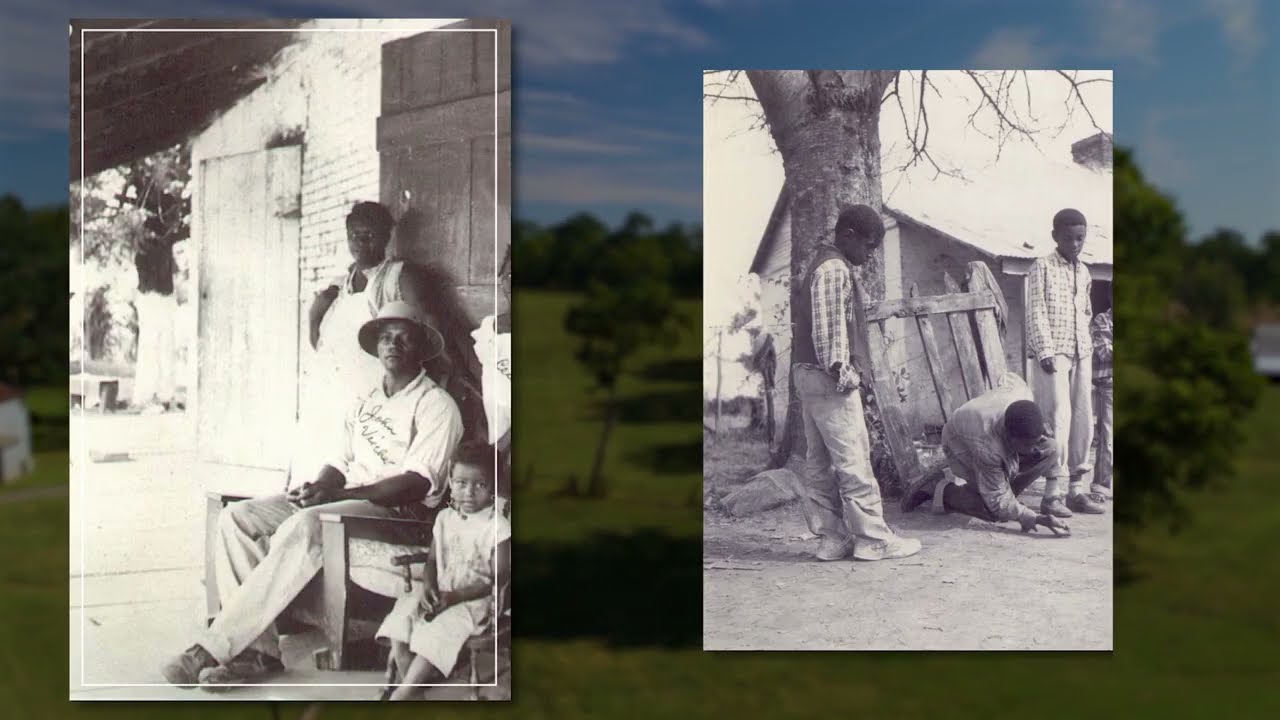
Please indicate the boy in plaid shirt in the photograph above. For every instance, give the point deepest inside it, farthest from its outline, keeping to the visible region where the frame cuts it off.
(842, 499)
(1058, 316)
(1104, 402)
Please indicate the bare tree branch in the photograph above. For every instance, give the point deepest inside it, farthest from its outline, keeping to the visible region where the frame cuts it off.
(1075, 88)
(919, 143)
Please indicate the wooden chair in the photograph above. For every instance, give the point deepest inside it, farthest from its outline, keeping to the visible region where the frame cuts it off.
(491, 642)
(496, 637)
(336, 604)
(347, 602)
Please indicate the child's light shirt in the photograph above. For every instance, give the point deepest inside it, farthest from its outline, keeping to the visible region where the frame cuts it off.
(464, 547)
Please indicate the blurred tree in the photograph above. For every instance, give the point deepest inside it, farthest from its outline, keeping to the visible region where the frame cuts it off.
(532, 248)
(629, 304)
(1229, 249)
(1184, 385)
(561, 257)
(1269, 268)
(33, 339)
(578, 240)
(1212, 291)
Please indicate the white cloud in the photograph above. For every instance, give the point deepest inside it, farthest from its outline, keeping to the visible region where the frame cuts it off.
(1129, 29)
(589, 185)
(1241, 27)
(1013, 48)
(533, 141)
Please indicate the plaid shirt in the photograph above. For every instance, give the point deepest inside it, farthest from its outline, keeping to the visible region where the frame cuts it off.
(1102, 335)
(832, 292)
(1058, 308)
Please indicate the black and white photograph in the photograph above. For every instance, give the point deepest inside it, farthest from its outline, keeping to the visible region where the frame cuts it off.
(290, 350)
(907, 360)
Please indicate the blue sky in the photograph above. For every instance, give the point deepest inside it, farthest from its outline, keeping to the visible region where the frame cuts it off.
(608, 96)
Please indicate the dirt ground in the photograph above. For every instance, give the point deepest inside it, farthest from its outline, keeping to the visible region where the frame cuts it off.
(974, 586)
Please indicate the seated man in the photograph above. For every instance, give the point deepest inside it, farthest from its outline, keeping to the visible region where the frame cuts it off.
(398, 440)
(996, 443)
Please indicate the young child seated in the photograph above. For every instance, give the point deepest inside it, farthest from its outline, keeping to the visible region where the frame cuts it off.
(470, 547)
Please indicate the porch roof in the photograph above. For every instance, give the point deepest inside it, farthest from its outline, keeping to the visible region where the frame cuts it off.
(149, 84)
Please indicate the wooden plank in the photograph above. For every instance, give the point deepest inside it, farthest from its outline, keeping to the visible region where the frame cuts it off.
(937, 370)
(989, 337)
(485, 247)
(928, 305)
(897, 434)
(992, 350)
(962, 339)
(504, 55)
(450, 218)
(483, 63)
(248, 373)
(460, 120)
(457, 68)
(393, 61)
(422, 77)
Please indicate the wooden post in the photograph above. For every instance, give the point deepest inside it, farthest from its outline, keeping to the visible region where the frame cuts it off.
(719, 374)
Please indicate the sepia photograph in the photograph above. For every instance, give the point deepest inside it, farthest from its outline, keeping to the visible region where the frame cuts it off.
(907, 360)
(290, 350)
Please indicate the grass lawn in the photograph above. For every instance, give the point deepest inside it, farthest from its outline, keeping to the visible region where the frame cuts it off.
(51, 402)
(609, 615)
(51, 470)
(654, 457)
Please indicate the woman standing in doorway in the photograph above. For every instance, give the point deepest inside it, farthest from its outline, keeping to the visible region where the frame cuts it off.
(340, 368)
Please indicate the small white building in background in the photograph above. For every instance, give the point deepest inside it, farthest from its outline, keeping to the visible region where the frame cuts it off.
(16, 458)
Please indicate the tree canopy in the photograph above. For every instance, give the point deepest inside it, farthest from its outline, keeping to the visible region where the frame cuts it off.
(564, 256)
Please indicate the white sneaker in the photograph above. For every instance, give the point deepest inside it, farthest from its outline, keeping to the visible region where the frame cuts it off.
(892, 549)
(833, 548)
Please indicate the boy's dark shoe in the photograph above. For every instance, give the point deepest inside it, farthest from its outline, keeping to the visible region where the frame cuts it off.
(1054, 507)
(250, 666)
(1082, 503)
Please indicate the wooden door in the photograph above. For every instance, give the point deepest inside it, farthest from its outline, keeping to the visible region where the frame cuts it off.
(445, 143)
(248, 313)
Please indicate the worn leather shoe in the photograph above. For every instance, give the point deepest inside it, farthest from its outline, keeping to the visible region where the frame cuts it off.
(1054, 507)
(834, 548)
(184, 670)
(250, 666)
(1082, 503)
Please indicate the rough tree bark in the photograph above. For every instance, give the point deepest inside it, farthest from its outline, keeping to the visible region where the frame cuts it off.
(826, 126)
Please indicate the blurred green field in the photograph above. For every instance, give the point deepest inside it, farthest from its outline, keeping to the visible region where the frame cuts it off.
(609, 614)
(51, 470)
(654, 456)
(1195, 638)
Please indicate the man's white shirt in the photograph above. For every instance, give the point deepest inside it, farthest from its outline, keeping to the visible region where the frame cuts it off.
(415, 430)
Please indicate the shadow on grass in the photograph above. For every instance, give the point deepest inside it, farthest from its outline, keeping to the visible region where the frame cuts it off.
(683, 405)
(642, 589)
(680, 370)
(670, 459)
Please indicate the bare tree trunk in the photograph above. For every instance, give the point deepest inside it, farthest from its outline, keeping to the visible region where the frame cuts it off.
(826, 126)
(596, 484)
